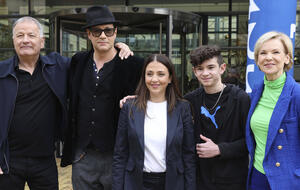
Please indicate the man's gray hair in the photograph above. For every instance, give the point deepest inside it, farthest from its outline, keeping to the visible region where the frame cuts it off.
(28, 18)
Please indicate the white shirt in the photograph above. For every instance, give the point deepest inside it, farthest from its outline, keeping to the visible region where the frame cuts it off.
(155, 137)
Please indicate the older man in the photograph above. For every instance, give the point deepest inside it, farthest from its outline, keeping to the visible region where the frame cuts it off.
(98, 80)
(32, 110)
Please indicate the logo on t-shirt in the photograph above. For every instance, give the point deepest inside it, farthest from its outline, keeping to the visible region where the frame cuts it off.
(205, 112)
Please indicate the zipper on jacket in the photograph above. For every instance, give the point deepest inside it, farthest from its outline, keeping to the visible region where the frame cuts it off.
(10, 119)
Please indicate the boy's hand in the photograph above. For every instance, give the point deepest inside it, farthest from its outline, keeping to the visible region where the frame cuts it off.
(208, 149)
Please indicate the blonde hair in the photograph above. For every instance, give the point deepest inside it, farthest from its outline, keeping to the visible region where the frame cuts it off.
(285, 40)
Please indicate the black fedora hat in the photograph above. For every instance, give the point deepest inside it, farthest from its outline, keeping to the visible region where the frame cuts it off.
(98, 15)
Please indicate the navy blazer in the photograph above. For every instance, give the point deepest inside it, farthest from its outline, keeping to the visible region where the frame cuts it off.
(128, 159)
(54, 70)
(281, 164)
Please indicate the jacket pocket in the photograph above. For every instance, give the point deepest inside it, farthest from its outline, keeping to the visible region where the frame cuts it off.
(180, 169)
(130, 166)
(297, 172)
(291, 126)
(289, 120)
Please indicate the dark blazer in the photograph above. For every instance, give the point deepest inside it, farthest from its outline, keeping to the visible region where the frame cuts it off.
(126, 74)
(54, 70)
(128, 159)
(283, 130)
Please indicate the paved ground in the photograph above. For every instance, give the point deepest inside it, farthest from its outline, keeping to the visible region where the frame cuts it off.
(64, 177)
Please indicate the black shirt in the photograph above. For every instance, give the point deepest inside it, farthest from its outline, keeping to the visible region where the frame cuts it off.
(95, 98)
(213, 121)
(32, 130)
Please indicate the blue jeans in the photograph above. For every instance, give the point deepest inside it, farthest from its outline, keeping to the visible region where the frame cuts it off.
(91, 170)
(258, 181)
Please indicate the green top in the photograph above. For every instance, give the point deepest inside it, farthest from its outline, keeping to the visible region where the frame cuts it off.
(261, 117)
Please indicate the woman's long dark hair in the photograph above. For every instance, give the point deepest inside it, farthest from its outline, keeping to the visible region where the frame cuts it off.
(172, 91)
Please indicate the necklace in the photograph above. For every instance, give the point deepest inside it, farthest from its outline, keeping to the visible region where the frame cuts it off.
(210, 109)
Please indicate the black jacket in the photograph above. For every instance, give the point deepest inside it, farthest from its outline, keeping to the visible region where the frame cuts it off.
(55, 70)
(232, 165)
(126, 74)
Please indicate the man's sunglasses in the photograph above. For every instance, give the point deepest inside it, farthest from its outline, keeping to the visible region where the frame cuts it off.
(107, 31)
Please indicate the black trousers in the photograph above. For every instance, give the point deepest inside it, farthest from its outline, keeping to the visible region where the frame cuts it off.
(39, 173)
(154, 181)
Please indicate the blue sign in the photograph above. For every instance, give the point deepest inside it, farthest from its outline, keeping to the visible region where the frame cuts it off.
(265, 16)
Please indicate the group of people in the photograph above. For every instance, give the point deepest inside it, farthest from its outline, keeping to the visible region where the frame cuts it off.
(159, 140)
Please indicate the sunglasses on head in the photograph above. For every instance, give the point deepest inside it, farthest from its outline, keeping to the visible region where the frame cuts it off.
(96, 32)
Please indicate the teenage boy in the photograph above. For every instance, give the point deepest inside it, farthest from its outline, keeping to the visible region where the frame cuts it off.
(220, 113)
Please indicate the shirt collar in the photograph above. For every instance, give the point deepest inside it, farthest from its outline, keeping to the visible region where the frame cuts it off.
(16, 62)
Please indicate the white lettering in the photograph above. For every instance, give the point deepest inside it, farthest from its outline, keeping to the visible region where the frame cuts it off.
(252, 8)
(249, 52)
(292, 30)
(250, 68)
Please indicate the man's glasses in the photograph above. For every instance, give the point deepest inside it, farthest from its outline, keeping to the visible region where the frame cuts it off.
(107, 31)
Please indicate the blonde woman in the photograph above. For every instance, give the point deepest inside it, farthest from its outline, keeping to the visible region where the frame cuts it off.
(272, 131)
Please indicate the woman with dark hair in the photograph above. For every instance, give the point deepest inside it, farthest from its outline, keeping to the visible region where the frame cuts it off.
(155, 147)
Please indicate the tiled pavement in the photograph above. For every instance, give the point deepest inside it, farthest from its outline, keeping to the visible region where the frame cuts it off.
(64, 177)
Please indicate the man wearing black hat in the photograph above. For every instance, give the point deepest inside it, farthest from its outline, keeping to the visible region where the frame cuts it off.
(98, 80)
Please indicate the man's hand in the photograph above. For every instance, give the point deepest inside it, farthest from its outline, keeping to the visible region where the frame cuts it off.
(1, 172)
(122, 102)
(208, 149)
(125, 51)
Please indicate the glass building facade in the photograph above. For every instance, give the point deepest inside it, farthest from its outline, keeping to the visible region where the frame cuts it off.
(173, 27)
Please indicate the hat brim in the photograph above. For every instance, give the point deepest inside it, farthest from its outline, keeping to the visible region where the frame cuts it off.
(116, 22)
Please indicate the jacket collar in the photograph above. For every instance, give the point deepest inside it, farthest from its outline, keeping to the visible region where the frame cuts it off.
(172, 119)
(279, 111)
(255, 96)
(139, 118)
(46, 60)
(8, 66)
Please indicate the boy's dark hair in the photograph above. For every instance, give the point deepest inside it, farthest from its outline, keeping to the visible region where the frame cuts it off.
(203, 53)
